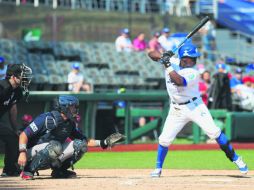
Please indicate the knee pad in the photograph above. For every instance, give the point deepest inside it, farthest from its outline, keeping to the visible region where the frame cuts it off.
(80, 147)
(44, 158)
(54, 149)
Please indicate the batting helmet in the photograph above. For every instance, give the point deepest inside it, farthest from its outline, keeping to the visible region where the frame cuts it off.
(69, 105)
(188, 50)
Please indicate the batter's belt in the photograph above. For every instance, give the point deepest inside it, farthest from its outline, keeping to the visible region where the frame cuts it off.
(183, 103)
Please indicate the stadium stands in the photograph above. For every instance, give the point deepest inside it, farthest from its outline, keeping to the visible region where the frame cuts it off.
(99, 63)
(102, 66)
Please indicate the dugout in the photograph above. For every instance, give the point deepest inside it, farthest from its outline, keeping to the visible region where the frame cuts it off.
(242, 126)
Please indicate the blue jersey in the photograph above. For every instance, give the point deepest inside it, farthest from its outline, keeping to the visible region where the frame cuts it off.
(234, 82)
(39, 131)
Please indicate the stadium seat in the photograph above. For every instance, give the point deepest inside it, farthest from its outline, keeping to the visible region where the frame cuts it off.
(39, 80)
(56, 83)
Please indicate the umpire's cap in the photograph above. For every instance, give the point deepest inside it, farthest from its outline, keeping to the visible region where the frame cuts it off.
(14, 69)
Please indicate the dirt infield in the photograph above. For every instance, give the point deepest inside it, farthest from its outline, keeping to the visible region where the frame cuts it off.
(138, 179)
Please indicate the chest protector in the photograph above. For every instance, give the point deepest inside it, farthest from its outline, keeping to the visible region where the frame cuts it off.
(63, 128)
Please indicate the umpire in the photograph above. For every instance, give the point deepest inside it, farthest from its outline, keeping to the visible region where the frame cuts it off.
(17, 80)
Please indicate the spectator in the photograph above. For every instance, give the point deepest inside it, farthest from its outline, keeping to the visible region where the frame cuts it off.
(204, 86)
(220, 94)
(76, 80)
(165, 41)
(247, 81)
(139, 43)
(249, 68)
(3, 68)
(123, 42)
(252, 82)
(208, 34)
(18, 77)
(26, 120)
(154, 44)
(244, 95)
(236, 79)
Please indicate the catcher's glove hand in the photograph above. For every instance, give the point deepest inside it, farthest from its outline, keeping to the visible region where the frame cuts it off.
(111, 140)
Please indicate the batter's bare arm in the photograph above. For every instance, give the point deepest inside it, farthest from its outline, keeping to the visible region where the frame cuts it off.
(176, 78)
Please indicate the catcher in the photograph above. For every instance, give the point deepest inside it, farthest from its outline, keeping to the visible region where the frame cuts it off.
(53, 141)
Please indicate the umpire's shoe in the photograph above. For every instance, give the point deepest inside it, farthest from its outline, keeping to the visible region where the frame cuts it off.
(156, 172)
(26, 175)
(63, 173)
(241, 165)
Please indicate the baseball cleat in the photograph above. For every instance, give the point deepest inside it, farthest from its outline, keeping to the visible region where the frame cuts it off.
(26, 175)
(156, 172)
(63, 173)
(241, 165)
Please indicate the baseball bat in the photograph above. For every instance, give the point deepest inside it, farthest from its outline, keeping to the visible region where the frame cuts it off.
(194, 30)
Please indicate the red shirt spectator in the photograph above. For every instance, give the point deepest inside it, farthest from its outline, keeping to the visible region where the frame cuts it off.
(204, 86)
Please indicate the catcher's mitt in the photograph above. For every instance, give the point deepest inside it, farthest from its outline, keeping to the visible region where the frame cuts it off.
(112, 139)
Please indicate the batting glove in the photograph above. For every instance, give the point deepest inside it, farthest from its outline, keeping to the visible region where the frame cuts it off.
(165, 59)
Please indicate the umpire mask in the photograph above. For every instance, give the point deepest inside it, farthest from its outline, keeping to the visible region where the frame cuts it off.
(26, 77)
(21, 71)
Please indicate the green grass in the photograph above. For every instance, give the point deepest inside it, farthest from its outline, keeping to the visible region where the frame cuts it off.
(175, 160)
(207, 159)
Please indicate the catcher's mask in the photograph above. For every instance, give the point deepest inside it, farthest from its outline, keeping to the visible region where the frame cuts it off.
(21, 71)
(68, 105)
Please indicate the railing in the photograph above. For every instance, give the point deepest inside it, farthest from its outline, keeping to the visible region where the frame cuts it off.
(179, 8)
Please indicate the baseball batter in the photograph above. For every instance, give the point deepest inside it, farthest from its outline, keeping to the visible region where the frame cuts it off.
(186, 105)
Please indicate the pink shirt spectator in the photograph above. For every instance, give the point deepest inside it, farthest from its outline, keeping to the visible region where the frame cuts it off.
(155, 45)
(139, 42)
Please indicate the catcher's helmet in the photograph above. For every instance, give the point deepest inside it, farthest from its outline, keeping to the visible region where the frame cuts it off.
(188, 50)
(22, 71)
(68, 105)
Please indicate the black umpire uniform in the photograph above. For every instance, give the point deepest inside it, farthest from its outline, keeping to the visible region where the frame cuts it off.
(10, 94)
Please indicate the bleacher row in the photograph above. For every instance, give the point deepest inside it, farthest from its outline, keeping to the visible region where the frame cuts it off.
(100, 64)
